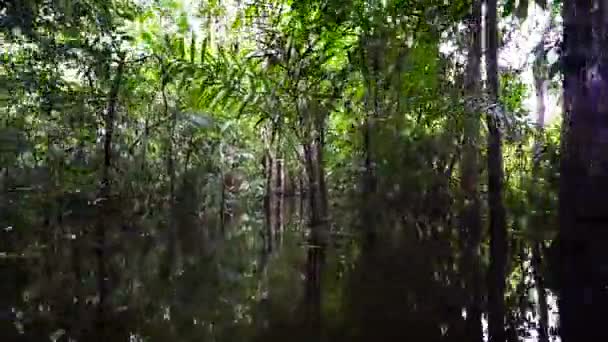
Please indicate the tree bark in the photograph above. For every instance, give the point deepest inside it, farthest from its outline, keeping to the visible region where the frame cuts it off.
(268, 204)
(314, 268)
(109, 124)
(540, 83)
(320, 146)
(279, 199)
(539, 282)
(498, 227)
(172, 233)
(583, 208)
(313, 185)
(470, 216)
(100, 229)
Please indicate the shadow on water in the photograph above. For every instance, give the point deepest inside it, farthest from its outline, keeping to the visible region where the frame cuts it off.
(265, 277)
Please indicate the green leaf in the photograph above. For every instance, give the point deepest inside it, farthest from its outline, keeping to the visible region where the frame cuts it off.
(238, 23)
(147, 38)
(219, 97)
(508, 8)
(182, 23)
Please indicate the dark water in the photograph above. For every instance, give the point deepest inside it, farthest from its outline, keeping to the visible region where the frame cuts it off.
(260, 278)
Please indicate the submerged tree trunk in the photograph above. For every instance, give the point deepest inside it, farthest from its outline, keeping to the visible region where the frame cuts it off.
(470, 216)
(498, 227)
(172, 231)
(279, 199)
(372, 57)
(584, 173)
(320, 146)
(543, 310)
(314, 268)
(222, 179)
(313, 185)
(100, 229)
(540, 84)
(317, 192)
(268, 204)
(273, 198)
(369, 178)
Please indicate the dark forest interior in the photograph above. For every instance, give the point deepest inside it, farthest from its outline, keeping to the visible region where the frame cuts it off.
(299, 170)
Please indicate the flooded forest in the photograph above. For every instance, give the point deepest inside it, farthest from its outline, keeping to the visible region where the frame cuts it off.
(300, 170)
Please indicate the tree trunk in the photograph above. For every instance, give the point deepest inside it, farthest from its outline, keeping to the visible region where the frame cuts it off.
(110, 117)
(470, 217)
(313, 184)
(369, 179)
(320, 145)
(539, 282)
(498, 227)
(279, 199)
(301, 194)
(540, 84)
(584, 173)
(314, 267)
(268, 205)
(172, 233)
(100, 229)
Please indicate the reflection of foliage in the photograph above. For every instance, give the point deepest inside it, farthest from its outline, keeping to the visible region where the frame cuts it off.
(197, 100)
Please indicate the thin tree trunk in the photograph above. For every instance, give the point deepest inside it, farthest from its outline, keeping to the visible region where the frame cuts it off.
(188, 155)
(543, 310)
(302, 194)
(100, 230)
(314, 268)
(498, 227)
(312, 182)
(222, 203)
(583, 208)
(268, 204)
(540, 83)
(109, 125)
(320, 146)
(172, 233)
(278, 198)
(369, 181)
(470, 218)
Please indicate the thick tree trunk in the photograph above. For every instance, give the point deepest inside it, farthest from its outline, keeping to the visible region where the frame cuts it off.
(470, 216)
(498, 227)
(317, 192)
(584, 173)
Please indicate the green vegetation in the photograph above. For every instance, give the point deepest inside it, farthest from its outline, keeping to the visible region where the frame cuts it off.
(172, 170)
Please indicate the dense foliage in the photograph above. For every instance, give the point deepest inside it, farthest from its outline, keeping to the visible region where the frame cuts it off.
(150, 149)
